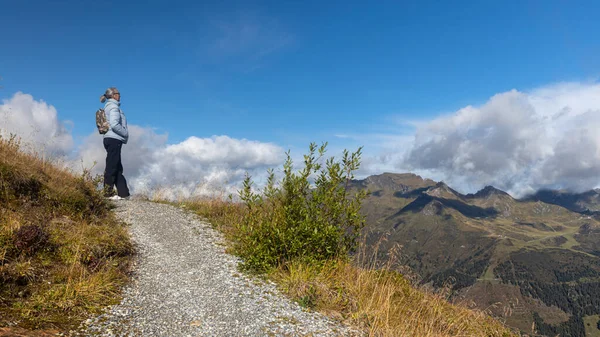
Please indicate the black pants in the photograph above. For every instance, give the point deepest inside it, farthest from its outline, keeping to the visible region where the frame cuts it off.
(113, 173)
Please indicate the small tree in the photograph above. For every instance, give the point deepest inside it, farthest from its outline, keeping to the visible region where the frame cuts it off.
(294, 219)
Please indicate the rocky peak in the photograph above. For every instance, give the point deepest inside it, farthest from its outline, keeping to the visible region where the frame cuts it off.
(490, 191)
(397, 181)
(441, 190)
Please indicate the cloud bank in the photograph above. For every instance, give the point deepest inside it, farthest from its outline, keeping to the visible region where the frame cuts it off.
(193, 167)
(517, 141)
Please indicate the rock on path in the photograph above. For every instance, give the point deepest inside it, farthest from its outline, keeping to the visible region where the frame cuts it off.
(186, 285)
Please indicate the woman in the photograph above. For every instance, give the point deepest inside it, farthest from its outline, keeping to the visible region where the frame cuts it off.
(114, 139)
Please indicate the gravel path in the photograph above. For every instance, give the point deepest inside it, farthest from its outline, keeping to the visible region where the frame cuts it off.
(186, 285)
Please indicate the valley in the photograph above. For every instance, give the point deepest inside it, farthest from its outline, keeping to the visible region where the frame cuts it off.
(533, 262)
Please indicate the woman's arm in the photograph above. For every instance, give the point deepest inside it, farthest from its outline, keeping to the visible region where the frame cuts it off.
(114, 119)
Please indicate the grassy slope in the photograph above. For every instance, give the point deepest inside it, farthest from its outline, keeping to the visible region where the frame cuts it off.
(591, 326)
(63, 255)
(381, 301)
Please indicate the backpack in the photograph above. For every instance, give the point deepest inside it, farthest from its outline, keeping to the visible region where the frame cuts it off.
(101, 122)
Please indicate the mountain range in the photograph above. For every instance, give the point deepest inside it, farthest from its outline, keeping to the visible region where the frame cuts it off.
(533, 262)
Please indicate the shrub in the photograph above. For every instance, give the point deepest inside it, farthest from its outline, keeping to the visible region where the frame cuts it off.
(294, 219)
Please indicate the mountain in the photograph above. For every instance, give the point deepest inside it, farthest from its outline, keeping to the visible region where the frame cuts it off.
(391, 191)
(586, 202)
(530, 261)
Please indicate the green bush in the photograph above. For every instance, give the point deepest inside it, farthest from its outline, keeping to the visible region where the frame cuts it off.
(296, 219)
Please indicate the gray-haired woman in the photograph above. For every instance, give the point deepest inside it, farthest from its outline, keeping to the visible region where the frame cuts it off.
(114, 139)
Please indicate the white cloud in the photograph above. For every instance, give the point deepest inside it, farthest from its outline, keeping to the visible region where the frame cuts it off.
(517, 141)
(36, 123)
(204, 166)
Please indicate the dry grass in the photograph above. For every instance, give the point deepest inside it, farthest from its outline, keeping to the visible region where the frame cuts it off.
(381, 301)
(377, 299)
(63, 255)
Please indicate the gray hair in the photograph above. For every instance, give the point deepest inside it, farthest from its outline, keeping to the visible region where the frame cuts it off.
(109, 93)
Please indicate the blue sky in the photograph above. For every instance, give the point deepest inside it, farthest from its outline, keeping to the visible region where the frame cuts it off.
(289, 72)
(277, 71)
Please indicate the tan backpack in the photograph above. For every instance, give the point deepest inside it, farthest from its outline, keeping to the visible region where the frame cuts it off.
(101, 122)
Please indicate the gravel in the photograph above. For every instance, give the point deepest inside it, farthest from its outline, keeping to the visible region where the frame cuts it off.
(185, 284)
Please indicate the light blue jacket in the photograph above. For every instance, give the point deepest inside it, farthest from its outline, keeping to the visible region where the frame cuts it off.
(116, 119)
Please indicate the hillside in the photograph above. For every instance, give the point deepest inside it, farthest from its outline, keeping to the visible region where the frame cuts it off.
(63, 255)
(535, 260)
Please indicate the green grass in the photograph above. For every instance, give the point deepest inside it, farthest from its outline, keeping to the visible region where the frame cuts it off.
(591, 326)
(63, 254)
(560, 221)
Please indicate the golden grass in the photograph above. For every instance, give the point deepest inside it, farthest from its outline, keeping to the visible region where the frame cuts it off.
(63, 254)
(379, 300)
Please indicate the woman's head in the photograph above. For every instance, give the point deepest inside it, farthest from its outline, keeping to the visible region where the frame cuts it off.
(111, 92)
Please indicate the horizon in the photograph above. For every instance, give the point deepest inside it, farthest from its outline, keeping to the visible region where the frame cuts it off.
(505, 95)
(518, 198)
